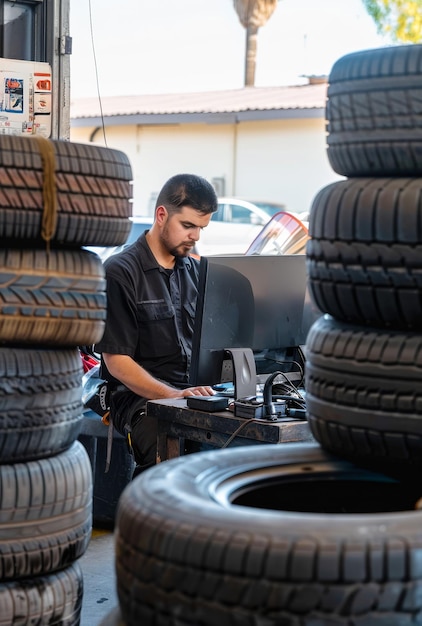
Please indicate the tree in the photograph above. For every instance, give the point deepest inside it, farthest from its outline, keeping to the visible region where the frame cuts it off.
(252, 15)
(400, 19)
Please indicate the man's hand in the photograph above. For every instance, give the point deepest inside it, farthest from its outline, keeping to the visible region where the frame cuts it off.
(138, 380)
(198, 391)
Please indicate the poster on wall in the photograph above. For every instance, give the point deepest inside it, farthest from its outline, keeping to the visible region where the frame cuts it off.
(25, 98)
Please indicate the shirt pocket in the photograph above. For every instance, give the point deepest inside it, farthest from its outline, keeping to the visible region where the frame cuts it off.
(157, 332)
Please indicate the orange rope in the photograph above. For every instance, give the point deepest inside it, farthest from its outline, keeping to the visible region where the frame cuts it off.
(49, 216)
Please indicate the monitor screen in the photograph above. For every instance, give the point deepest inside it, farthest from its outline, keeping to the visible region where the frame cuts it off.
(224, 322)
(283, 309)
(256, 302)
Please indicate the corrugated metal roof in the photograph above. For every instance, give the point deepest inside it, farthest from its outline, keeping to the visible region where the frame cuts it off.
(231, 101)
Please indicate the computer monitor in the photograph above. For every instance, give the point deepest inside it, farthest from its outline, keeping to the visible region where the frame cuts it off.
(283, 309)
(253, 303)
(224, 327)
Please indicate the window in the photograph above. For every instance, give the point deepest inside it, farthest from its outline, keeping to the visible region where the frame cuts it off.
(240, 214)
(218, 215)
(23, 28)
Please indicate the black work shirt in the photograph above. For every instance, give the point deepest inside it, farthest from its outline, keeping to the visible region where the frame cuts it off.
(150, 312)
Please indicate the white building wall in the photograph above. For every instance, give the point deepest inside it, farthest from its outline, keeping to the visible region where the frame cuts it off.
(164, 151)
(281, 160)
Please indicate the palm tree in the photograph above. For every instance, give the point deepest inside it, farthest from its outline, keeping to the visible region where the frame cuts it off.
(252, 15)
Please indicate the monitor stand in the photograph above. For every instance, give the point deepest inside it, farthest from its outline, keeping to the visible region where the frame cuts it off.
(244, 372)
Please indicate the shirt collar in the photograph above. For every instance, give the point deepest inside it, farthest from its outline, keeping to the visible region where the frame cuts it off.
(149, 262)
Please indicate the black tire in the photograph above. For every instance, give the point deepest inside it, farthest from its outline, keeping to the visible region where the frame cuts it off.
(40, 402)
(364, 392)
(53, 600)
(364, 258)
(113, 618)
(93, 186)
(374, 113)
(55, 299)
(45, 514)
(276, 534)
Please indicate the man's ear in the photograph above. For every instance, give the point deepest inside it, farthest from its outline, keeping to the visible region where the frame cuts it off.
(161, 214)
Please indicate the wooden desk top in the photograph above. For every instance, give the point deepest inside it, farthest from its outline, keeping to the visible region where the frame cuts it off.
(178, 420)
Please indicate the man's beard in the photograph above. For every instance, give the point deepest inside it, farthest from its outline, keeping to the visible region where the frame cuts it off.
(182, 249)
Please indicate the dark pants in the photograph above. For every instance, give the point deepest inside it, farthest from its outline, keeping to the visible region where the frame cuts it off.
(129, 419)
(144, 441)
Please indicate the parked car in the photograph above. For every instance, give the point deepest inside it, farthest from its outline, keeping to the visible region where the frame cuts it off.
(235, 225)
(139, 225)
(242, 211)
(232, 229)
(269, 207)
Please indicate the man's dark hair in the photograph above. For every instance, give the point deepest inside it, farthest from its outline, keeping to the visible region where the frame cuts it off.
(187, 190)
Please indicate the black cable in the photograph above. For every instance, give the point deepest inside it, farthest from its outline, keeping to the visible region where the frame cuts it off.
(290, 385)
(303, 359)
(302, 354)
(298, 365)
(300, 404)
(237, 431)
(301, 368)
(96, 73)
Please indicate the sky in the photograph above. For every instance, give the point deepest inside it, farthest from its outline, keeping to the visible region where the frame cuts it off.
(134, 47)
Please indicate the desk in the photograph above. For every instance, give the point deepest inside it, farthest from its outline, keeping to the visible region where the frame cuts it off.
(177, 424)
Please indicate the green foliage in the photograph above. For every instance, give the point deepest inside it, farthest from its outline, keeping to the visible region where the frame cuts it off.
(401, 20)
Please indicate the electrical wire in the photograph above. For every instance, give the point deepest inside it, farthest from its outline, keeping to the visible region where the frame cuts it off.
(287, 384)
(302, 354)
(96, 73)
(300, 404)
(300, 367)
(237, 431)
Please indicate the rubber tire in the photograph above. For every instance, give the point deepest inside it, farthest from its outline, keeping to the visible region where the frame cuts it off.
(40, 402)
(56, 299)
(113, 618)
(364, 392)
(374, 113)
(45, 514)
(53, 600)
(93, 188)
(231, 537)
(364, 258)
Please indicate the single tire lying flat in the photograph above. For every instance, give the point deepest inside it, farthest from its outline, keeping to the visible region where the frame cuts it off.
(93, 186)
(40, 402)
(45, 514)
(364, 392)
(56, 298)
(274, 534)
(374, 112)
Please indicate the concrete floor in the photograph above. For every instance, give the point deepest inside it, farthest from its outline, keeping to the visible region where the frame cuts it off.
(100, 597)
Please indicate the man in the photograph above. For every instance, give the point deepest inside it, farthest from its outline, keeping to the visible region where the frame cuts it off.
(151, 299)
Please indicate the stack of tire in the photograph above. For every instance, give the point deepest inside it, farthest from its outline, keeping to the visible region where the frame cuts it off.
(55, 198)
(326, 533)
(364, 371)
